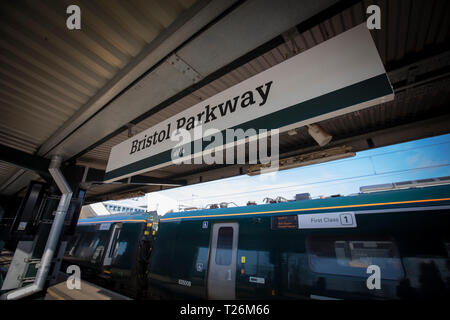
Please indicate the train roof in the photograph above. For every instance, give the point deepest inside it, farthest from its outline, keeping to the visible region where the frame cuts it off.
(139, 217)
(414, 197)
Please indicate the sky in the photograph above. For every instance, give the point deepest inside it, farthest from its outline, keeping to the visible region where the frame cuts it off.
(419, 159)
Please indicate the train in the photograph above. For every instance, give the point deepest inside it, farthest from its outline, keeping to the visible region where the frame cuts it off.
(379, 245)
(114, 251)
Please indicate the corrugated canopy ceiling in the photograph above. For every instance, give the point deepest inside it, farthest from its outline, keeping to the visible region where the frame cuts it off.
(46, 75)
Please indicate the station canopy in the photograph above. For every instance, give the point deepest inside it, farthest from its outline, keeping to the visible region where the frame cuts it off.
(135, 64)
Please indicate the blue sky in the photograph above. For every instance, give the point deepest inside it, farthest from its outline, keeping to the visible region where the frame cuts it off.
(420, 159)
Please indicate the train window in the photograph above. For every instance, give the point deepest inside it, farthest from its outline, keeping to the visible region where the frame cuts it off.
(98, 253)
(73, 245)
(352, 255)
(115, 237)
(224, 246)
(89, 242)
(85, 247)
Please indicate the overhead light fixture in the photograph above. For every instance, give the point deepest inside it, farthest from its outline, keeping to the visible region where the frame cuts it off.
(302, 160)
(130, 129)
(320, 135)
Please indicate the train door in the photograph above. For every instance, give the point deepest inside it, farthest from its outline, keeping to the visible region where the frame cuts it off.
(112, 244)
(222, 263)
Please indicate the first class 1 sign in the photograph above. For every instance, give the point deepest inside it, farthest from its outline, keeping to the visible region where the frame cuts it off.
(338, 76)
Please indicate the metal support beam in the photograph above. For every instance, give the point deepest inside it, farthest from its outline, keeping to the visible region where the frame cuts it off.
(122, 193)
(25, 160)
(53, 238)
(95, 177)
(91, 176)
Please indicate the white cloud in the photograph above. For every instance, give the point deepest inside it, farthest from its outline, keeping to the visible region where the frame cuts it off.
(161, 203)
(100, 209)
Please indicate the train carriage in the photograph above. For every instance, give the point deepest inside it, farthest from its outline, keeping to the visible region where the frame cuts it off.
(333, 248)
(381, 245)
(114, 250)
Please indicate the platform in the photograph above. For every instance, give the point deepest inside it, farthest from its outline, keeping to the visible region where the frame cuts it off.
(88, 291)
(59, 291)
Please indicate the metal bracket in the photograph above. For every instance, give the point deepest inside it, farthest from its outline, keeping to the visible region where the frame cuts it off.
(180, 65)
(289, 37)
(412, 73)
(24, 279)
(130, 129)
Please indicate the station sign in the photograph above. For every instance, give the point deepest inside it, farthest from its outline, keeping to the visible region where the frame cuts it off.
(338, 76)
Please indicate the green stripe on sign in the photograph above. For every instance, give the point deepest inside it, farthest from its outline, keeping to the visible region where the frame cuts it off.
(363, 91)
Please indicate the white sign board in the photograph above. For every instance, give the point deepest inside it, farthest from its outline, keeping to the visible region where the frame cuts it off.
(22, 226)
(338, 76)
(105, 226)
(327, 220)
(257, 280)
